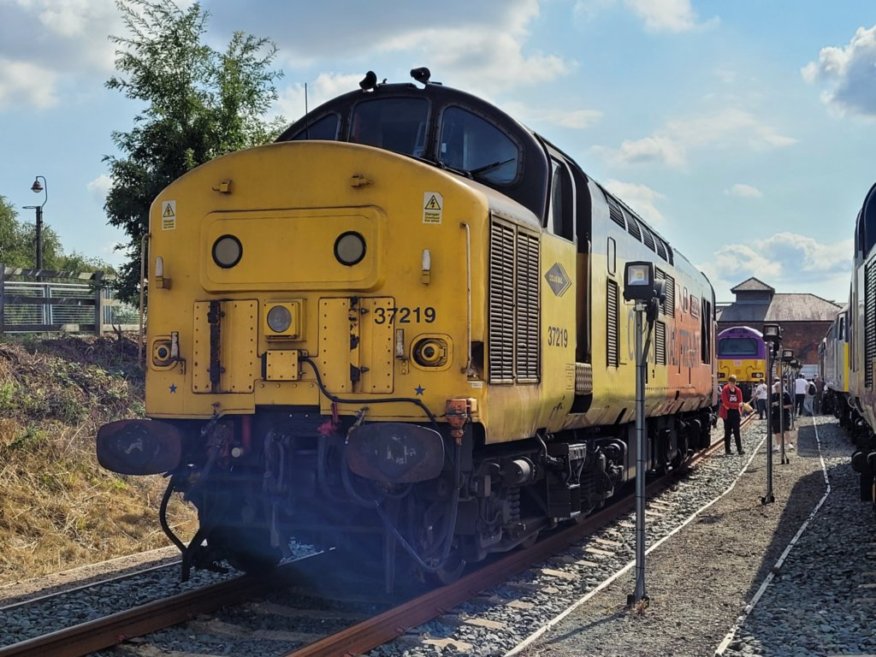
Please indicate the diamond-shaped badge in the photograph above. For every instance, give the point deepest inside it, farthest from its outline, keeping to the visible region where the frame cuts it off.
(558, 279)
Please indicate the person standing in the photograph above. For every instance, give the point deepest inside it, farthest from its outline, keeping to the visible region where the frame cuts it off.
(809, 400)
(819, 394)
(731, 401)
(800, 385)
(760, 399)
(780, 416)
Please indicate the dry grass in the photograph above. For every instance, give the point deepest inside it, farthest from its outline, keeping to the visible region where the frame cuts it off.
(58, 508)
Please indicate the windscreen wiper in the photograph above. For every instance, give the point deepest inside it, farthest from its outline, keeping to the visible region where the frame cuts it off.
(489, 167)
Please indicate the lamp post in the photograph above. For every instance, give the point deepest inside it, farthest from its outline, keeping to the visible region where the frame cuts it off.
(772, 335)
(36, 188)
(789, 360)
(641, 287)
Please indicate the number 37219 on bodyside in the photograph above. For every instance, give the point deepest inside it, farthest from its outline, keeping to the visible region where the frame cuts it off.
(405, 315)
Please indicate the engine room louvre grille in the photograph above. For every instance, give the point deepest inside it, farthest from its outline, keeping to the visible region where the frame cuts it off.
(661, 249)
(648, 238)
(615, 212)
(660, 342)
(633, 228)
(611, 324)
(526, 355)
(869, 324)
(668, 305)
(501, 304)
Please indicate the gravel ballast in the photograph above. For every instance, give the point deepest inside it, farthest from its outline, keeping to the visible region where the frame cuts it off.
(820, 598)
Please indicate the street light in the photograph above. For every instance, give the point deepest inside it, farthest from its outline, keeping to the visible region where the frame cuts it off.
(641, 287)
(772, 335)
(36, 188)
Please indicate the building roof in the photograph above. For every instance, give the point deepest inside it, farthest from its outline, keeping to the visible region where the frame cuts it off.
(753, 285)
(794, 307)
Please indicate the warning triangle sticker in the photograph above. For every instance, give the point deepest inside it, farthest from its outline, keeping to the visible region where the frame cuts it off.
(433, 204)
(168, 211)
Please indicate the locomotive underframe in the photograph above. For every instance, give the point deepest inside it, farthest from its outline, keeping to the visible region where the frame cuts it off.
(282, 475)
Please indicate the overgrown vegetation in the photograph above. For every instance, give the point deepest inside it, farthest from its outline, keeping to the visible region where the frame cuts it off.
(58, 508)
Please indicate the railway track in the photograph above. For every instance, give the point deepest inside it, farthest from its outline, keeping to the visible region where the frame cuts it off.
(357, 634)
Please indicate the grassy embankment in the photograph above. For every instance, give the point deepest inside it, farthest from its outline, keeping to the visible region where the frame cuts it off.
(58, 508)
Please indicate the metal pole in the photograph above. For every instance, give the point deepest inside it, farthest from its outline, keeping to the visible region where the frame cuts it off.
(39, 237)
(640, 594)
(793, 386)
(768, 497)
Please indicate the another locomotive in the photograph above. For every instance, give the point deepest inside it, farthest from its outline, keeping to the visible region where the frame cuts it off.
(742, 353)
(862, 344)
(402, 326)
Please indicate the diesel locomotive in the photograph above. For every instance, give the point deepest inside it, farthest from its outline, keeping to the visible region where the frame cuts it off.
(742, 352)
(862, 346)
(402, 325)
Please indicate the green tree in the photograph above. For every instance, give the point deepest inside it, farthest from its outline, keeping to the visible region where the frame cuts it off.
(200, 103)
(18, 246)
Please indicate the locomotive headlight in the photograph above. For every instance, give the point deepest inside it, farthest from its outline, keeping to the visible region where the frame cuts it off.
(279, 319)
(227, 251)
(350, 248)
(430, 352)
(282, 319)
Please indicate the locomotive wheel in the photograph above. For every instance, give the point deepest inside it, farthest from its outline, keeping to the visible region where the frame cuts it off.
(450, 570)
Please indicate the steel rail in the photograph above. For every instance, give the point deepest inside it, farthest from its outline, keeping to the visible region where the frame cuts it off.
(111, 630)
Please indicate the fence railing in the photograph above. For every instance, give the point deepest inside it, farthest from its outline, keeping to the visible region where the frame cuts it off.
(43, 301)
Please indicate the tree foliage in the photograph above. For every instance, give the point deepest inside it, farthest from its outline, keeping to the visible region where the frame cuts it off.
(200, 103)
(18, 246)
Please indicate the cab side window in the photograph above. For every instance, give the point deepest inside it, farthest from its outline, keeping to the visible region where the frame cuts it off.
(325, 128)
(561, 207)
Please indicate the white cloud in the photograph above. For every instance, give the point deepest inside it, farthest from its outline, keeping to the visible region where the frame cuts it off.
(729, 128)
(849, 73)
(658, 15)
(786, 261)
(100, 186)
(536, 116)
(743, 191)
(24, 83)
(640, 198)
(291, 100)
(45, 44)
(664, 15)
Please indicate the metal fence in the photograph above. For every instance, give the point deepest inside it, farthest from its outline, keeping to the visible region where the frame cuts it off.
(42, 301)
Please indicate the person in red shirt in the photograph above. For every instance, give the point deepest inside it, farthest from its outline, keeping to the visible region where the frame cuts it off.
(731, 403)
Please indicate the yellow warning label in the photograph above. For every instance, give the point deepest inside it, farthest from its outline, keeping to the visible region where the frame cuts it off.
(168, 215)
(433, 207)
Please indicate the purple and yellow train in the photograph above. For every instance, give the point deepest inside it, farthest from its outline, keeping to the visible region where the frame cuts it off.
(741, 351)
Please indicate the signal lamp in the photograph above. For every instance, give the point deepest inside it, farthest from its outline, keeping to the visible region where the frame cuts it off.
(350, 248)
(227, 251)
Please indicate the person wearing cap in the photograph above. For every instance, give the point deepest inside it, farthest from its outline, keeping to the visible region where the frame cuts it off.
(731, 403)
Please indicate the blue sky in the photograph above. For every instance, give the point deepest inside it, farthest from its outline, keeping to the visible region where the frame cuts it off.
(743, 130)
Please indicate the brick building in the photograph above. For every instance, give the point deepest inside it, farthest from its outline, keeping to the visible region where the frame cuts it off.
(804, 318)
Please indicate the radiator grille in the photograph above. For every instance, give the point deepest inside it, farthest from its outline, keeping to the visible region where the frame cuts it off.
(513, 306)
(668, 305)
(869, 324)
(660, 342)
(526, 357)
(611, 325)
